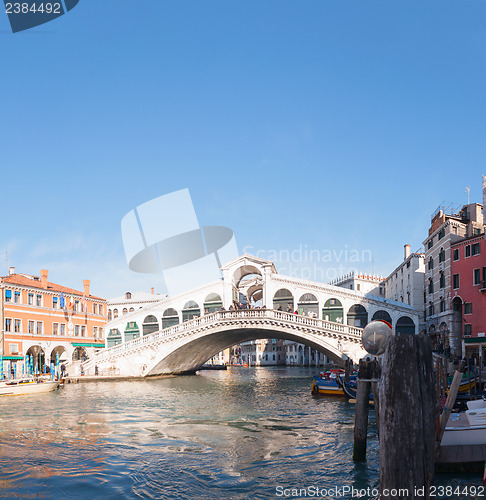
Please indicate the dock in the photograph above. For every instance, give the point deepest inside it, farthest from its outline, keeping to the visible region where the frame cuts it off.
(461, 458)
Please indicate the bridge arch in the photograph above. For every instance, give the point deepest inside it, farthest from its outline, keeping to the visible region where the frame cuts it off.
(282, 299)
(194, 352)
(357, 316)
(243, 271)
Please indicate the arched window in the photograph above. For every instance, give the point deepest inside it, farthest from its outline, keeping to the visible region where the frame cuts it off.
(109, 315)
(150, 324)
(132, 309)
(115, 313)
(431, 263)
(125, 310)
(191, 310)
(333, 311)
(212, 303)
(169, 318)
(357, 316)
(442, 255)
(283, 300)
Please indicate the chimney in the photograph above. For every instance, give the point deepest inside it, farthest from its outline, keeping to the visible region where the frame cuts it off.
(11, 270)
(44, 273)
(86, 287)
(407, 251)
(152, 290)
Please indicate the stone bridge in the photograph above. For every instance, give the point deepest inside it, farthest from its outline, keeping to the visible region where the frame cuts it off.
(186, 346)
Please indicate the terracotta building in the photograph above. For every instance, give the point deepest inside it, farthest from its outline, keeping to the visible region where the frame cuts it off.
(44, 319)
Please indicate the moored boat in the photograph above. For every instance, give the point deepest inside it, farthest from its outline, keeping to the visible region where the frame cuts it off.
(328, 383)
(19, 387)
(468, 427)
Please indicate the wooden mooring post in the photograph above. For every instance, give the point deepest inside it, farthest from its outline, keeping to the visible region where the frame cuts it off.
(368, 374)
(406, 418)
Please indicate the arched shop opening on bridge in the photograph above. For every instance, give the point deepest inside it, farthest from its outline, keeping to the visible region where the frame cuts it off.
(333, 311)
(357, 316)
(382, 315)
(212, 303)
(150, 324)
(405, 326)
(191, 310)
(283, 300)
(169, 318)
(309, 305)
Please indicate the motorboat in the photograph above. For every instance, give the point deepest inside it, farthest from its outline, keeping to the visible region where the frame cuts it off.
(16, 387)
(467, 427)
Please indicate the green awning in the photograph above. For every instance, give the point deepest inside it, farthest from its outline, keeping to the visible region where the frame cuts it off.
(475, 340)
(76, 344)
(11, 358)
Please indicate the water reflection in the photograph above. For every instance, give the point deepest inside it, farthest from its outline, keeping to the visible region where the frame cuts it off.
(227, 434)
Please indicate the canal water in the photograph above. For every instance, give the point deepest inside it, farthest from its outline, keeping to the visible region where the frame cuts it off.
(237, 434)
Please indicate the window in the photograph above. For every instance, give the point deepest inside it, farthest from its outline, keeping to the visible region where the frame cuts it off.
(468, 308)
(455, 281)
(17, 325)
(55, 328)
(467, 329)
(358, 287)
(441, 233)
(431, 263)
(31, 299)
(431, 286)
(431, 309)
(467, 250)
(408, 264)
(55, 301)
(63, 329)
(8, 325)
(76, 305)
(442, 280)
(109, 315)
(100, 332)
(456, 254)
(39, 328)
(83, 331)
(431, 243)
(125, 310)
(17, 297)
(76, 330)
(8, 295)
(476, 277)
(95, 308)
(13, 348)
(475, 249)
(131, 309)
(31, 327)
(115, 313)
(95, 332)
(476, 231)
(442, 255)
(38, 300)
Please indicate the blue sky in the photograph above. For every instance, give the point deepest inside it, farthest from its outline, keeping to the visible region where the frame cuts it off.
(325, 125)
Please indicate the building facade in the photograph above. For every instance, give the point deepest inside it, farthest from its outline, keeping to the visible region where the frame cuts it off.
(468, 291)
(361, 282)
(406, 283)
(448, 226)
(46, 320)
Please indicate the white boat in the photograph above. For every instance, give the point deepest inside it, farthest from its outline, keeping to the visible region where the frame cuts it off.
(26, 386)
(467, 427)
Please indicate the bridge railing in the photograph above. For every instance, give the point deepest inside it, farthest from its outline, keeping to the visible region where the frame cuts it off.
(228, 316)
